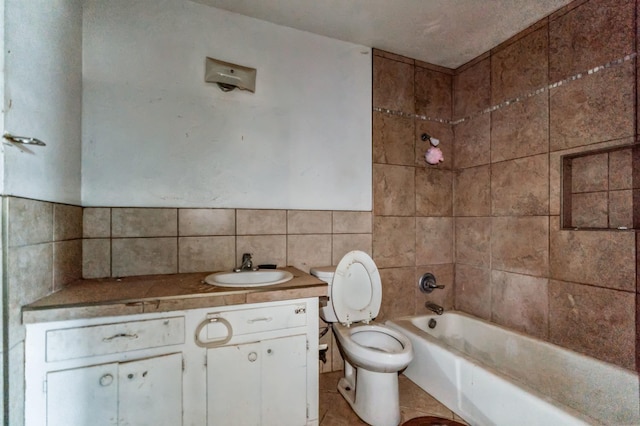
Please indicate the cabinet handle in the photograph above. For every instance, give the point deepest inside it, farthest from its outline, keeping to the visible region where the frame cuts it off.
(213, 343)
(106, 380)
(252, 357)
(265, 319)
(120, 336)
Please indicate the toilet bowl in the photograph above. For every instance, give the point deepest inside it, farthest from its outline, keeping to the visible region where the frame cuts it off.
(373, 353)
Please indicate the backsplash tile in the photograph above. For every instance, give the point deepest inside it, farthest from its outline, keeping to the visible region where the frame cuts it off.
(29, 275)
(345, 222)
(96, 222)
(67, 263)
(263, 248)
(199, 222)
(96, 258)
(344, 243)
(206, 254)
(67, 222)
(261, 222)
(30, 221)
(306, 251)
(144, 256)
(144, 222)
(309, 222)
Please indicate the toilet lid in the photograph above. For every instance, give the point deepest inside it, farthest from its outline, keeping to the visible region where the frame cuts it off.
(356, 292)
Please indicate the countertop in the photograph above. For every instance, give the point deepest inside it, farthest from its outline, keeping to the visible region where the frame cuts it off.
(160, 293)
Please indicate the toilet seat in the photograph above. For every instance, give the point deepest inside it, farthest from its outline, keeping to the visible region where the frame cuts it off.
(356, 291)
(382, 350)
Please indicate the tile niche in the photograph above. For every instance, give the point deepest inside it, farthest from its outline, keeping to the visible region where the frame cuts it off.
(600, 189)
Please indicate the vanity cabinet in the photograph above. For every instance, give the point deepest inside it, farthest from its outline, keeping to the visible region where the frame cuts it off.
(105, 372)
(251, 364)
(117, 393)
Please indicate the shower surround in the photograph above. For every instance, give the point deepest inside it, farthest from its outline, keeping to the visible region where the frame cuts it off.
(486, 222)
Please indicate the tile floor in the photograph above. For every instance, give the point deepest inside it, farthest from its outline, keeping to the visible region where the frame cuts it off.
(414, 402)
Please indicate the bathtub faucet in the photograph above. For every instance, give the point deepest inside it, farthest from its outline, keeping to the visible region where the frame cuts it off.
(434, 307)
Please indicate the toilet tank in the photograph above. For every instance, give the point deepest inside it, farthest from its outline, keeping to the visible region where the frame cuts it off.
(325, 273)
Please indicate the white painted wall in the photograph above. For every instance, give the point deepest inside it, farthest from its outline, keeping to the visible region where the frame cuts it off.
(154, 134)
(42, 98)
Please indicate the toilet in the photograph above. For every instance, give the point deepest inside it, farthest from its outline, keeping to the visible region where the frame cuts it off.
(373, 353)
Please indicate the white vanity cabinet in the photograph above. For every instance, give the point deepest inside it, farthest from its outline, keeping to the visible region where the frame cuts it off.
(251, 364)
(105, 372)
(117, 393)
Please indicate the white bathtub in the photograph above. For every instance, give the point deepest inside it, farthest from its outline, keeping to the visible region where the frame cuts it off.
(489, 375)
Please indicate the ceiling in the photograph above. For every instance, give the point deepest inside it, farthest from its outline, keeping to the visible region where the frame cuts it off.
(448, 33)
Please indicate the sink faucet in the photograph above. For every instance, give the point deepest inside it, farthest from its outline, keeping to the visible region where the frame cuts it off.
(434, 307)
(247, 263)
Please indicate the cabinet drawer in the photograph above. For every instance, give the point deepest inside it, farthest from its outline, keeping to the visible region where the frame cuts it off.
(258, 320)
(81, 342)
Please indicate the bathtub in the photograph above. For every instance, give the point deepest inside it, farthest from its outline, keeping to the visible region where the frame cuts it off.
(489, 375)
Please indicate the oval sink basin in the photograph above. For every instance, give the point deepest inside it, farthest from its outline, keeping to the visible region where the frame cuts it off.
(248, 278)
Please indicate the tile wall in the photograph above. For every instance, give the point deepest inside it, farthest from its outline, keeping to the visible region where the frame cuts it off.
(413, 224)
(141, 241)
(514, 265)
(44, 253)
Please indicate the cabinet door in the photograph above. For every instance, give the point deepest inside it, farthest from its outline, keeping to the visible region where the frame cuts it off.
(262, 383)
(83, 396)
(284, 381)
(150, 391)
(233, 385)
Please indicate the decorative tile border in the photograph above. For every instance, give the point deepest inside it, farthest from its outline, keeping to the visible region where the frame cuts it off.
(517, 99)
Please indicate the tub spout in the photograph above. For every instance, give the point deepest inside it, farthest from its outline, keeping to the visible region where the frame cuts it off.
(434, 307)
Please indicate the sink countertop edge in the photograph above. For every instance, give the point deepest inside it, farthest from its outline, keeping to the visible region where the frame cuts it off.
(91, 298)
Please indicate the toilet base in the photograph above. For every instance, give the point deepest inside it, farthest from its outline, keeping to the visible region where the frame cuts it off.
(374, 397)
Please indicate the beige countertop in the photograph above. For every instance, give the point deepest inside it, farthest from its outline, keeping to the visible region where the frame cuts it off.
(160, 293)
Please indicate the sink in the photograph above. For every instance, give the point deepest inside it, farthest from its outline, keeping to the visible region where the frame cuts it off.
(248, 278)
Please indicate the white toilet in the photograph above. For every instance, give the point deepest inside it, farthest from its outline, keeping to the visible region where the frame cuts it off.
(373, 353)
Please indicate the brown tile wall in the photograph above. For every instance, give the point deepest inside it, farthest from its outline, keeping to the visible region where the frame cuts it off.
(141, 241)
(500, 239)
(413, 225)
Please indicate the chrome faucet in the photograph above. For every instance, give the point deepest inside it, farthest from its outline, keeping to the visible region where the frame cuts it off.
(434, 307)
(247, 264)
